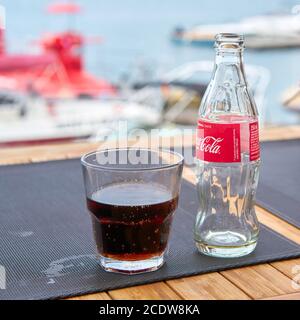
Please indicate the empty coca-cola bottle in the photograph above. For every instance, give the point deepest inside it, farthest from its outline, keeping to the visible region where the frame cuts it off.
(227, 157)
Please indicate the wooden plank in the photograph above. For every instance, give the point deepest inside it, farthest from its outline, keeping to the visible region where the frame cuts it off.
(49, 152)
(36, 159)
(291, 296)
(211, 286)
(291, 268)
(280, 226)
(280, 133)
(94, 296)
(261, 281)
(154, 291)
(15, 160)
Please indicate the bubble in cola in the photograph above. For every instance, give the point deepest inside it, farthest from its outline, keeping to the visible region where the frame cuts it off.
(227, 157)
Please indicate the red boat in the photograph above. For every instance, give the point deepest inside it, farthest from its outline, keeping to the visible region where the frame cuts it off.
(58, 71)
(39, 94)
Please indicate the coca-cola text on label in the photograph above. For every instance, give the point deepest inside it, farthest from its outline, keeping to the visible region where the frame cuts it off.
(218, 142)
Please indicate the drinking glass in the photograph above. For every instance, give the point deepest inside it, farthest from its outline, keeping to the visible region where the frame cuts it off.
(132, 194)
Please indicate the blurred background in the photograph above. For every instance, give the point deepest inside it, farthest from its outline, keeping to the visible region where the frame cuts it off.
(70, 70)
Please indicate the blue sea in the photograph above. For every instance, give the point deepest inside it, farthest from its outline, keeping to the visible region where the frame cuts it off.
(136, 33)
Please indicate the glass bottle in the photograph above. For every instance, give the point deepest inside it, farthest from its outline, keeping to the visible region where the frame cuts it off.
(227, 157)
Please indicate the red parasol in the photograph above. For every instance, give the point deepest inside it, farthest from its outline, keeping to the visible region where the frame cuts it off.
(64, 7)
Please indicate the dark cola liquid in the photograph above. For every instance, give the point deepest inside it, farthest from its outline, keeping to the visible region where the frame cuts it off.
(131, 221)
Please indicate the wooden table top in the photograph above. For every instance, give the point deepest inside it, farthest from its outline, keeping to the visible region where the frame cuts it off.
(264, 281)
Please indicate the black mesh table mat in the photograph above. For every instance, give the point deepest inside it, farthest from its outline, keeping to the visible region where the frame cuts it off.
(279, 184)
(47, 248)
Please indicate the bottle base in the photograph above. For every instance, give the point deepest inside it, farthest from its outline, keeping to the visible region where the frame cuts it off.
(225, 251)
(131, 267)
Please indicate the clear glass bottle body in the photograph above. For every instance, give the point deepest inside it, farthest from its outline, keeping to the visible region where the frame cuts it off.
(226, 224)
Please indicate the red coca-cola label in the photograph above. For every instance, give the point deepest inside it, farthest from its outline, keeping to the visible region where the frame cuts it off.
(222, 142)
(218, 142)
(254, 148)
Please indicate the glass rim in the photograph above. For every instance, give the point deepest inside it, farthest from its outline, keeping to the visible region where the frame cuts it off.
(229, 37)
(132, 169)
(229, 41)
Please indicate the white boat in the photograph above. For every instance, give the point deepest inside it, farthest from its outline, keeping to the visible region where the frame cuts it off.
(40, 121)
(264, 31)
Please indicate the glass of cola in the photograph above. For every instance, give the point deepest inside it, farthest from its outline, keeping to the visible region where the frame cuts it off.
(132, 195)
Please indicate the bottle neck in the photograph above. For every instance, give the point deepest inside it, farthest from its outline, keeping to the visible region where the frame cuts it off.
(229, 65)
(227, 93)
